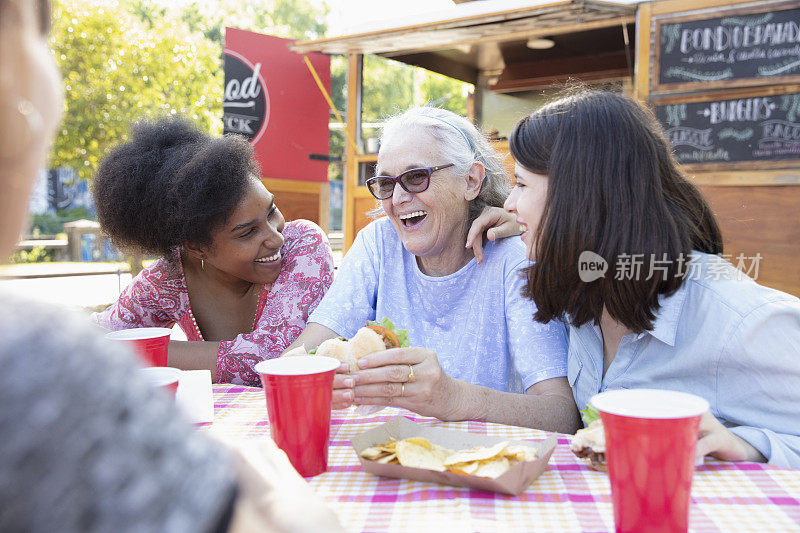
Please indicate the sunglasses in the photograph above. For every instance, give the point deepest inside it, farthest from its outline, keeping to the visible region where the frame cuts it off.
(415, 180)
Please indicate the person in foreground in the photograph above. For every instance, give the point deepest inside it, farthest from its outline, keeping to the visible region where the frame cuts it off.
(237, 279)
(595, 174)
(86, 445)
(475, 349)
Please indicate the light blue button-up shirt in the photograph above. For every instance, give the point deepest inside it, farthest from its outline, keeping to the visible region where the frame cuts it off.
(720, 336)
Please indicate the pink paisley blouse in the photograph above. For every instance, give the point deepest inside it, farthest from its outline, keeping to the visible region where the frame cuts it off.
(158, 297)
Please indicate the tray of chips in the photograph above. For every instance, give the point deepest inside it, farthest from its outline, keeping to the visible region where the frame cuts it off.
(401, 448)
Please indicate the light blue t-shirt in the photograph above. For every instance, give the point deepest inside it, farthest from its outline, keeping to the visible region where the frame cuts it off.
(720, 336)
(476, 319)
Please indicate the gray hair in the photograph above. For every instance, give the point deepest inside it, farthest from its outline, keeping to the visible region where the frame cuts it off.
(461, 144)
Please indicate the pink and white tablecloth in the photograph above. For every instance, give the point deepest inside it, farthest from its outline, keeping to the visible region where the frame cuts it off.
(567, 497)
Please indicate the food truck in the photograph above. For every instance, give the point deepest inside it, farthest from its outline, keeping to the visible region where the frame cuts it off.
(723, 78)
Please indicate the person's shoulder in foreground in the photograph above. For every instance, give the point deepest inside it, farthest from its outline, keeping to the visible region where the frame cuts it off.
(98, 451)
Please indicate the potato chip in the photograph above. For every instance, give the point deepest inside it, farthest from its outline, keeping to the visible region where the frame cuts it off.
(420, 441)
(441, 452)
(419, 452)
(464, 468)
(418, 456)
(387, 458)
(372, 453)
(478, 453)
(519, 452)
(493, 468)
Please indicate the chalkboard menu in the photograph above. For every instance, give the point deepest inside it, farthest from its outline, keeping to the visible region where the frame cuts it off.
(740, 47)
(755, 132)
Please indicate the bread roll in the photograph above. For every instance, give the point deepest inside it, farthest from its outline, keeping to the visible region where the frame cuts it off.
(300, 350)
(366, 341)
(339, 349)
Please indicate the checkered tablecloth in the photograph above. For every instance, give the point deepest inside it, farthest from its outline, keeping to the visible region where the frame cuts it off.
(567, 497)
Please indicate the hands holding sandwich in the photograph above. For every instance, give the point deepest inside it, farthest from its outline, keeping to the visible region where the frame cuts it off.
(713, 439)
(379, 368)
(405, 377)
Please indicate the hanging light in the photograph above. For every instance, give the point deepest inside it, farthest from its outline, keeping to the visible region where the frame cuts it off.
(540, 43)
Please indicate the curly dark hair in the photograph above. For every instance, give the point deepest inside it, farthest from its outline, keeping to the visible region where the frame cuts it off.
(171, 184)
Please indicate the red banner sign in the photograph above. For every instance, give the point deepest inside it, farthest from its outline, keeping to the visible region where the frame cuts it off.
(272, 99)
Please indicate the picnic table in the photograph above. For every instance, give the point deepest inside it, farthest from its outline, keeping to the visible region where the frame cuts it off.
(569, 496)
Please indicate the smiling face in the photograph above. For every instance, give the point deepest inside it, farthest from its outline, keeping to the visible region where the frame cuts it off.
(527, 201)
(247, 246)
(431, 224)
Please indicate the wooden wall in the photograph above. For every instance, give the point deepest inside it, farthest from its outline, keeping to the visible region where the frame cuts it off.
(301, 199)
(757, 206)
(765, 220)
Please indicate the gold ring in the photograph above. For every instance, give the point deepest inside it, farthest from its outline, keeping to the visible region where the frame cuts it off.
(402, 390)
(410, 374)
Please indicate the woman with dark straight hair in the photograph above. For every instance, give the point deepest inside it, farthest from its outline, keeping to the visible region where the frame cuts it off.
(627, 253)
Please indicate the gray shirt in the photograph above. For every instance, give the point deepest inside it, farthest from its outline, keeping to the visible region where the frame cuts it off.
(85, 445)
(720, 336)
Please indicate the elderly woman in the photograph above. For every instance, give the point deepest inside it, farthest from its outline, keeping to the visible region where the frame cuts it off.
(689, 321)
(238, 280)
(475, 347)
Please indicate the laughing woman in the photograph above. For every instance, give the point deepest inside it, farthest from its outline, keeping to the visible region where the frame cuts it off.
(595, 173)
(238, 280)
(483, 356)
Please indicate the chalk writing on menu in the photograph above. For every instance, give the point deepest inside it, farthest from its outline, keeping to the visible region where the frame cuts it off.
(760, 45)
(762, 128)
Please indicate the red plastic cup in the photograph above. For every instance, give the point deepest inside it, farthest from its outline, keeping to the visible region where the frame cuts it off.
(299, 391)
(163, 377)
(150, 343)
(651, 437)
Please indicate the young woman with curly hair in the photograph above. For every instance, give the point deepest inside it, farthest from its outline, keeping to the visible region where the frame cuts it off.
(237, 279)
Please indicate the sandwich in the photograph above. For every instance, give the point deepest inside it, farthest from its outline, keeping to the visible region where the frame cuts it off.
(590, 442)
(374, 337)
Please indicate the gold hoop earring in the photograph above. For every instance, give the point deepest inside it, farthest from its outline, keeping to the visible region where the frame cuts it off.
(202, 264)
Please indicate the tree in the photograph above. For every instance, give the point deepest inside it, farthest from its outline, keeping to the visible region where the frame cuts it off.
(119, 67)
(445, 92)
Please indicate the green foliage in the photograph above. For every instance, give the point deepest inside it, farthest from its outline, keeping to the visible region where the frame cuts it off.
(444, 92)
(124, 60)
(74, 213)
(118, 68)
(293, 19)
(391, 88)
(388, 88)
(47, 224)
(37, 254)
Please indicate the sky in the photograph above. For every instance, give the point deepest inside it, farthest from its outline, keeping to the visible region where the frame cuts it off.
(348, 16)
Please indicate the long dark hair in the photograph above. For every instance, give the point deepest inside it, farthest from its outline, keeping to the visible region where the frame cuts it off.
(613, 189)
